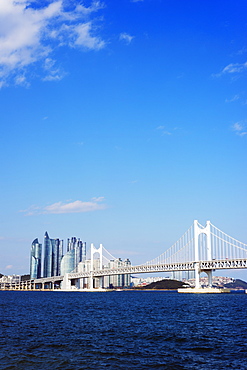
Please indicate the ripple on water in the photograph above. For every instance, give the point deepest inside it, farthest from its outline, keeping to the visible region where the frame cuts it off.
(133, 330)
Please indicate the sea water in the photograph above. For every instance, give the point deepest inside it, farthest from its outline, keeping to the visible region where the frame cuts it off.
(122, 330)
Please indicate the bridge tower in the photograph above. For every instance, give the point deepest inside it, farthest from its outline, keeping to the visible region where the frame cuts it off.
(206, 231)
(100, 266)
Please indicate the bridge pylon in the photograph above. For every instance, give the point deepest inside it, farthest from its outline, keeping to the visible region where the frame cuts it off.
(100, 267)
(206, 231)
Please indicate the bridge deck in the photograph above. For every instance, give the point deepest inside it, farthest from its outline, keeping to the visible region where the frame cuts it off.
(169, 267)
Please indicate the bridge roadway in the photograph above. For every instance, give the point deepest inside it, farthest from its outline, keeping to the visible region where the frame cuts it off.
(237, 263)
(163, 267)
(166, 267)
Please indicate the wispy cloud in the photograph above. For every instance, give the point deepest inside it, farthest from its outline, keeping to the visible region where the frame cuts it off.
(235, 68)
(242, 51)
(78, 206)
(8, 267)
(239, 128)
(126, 37)
(30, 35)
(234, 98)
(163, 130)
(232, 68)
(53, 73)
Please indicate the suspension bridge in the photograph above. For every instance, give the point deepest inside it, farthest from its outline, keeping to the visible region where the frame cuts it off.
(200, 249)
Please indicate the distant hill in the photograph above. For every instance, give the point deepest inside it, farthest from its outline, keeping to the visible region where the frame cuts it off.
(237, 284)
(165, 284)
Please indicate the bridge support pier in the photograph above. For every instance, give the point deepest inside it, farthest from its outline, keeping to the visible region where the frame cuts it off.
(91, 280)
(197, 276)
(66, 283)
(210, 277)
(101, 282)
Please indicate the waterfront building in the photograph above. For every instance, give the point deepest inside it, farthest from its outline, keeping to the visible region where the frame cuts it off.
(10, 279)
(113, 281)
(53, 252)
(177, 275)
(47, 256)
(117, 281)
(35, 260)
(68, 262)
(76, 253)
(57, 255)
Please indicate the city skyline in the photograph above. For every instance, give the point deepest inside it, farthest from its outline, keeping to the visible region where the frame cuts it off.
(121, 122)
(75, 259)
(56, 260)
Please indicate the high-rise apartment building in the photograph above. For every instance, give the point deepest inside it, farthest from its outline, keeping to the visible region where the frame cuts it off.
(53, 252)
(122, 280)
(35, 260)
(76, 253)
(74, 260)
(57, 257)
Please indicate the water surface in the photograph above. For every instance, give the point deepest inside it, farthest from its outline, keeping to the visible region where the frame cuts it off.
(122, 330)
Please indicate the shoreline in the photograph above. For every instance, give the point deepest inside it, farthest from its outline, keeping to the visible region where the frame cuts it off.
(179, 290)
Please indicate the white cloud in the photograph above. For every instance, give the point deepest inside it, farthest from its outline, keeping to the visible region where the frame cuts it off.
(126, 37)
(21, 80)
(84, 38)
(98, 199)
(242, 51)
(163, 130)
(234, 98)
(232, 68)
(235, 68)
(29, 35)
(77, 206)
(239, 128)
(8, 267)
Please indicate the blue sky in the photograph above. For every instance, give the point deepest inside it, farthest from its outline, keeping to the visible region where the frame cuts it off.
(121, 122)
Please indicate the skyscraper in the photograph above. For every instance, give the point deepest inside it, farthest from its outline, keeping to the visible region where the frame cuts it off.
(47, 256)
(57, 254)
(118, 280)
(76, 252)
(35, 259)
(53, 252)
(68, 262)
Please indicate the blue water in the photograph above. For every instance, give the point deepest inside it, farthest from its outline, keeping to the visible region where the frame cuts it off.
(122, 330)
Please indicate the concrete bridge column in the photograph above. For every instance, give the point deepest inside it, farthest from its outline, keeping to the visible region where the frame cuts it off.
(101, 282)
(82, 283)
(91, 280)
(197, 276)
(66, 283)
(210, 277)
